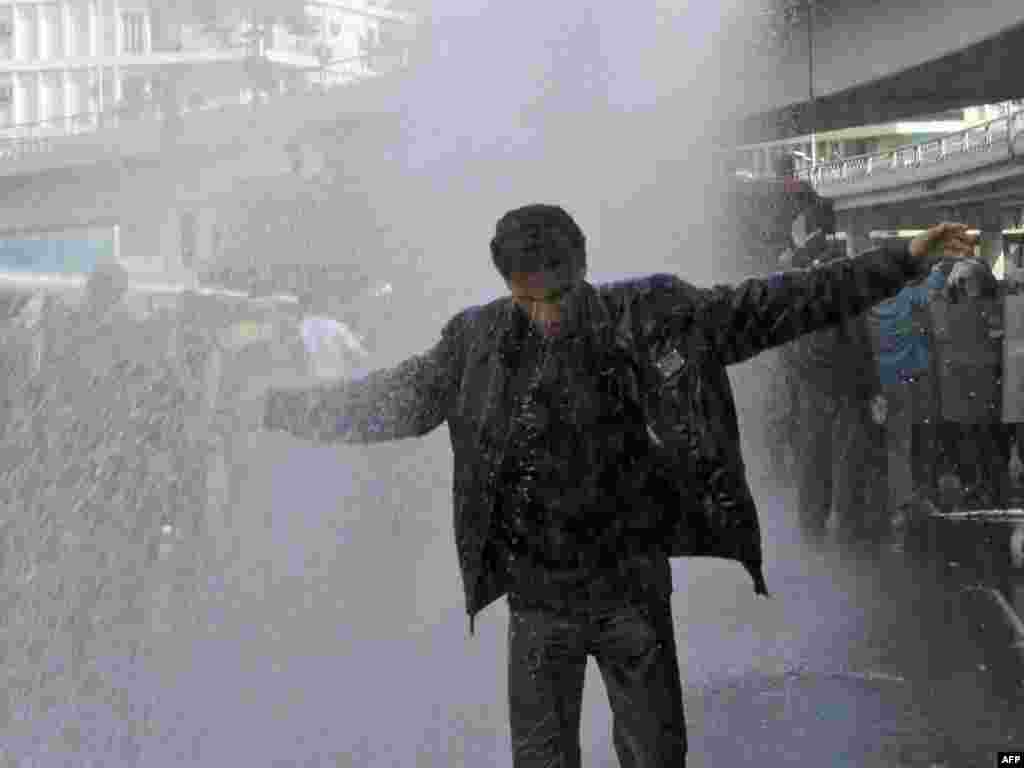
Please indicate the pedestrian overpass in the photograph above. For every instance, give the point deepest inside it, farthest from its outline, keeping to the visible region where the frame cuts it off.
(974, 175)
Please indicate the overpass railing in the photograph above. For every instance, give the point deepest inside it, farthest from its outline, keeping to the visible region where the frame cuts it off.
(993, 135)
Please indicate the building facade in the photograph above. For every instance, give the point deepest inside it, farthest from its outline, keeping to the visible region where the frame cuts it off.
(73, 67)
(67, 65)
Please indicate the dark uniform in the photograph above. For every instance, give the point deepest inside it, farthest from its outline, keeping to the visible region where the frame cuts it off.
(975, 444)
(834, 381)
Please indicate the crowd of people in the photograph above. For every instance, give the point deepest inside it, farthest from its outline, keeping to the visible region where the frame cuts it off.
(893, 413)
(896, 413)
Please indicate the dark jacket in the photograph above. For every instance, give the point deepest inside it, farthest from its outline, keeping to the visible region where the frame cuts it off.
(680, 337)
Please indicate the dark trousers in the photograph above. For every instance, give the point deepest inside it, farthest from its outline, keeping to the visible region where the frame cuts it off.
(634, 646)
(912, 436)
(835, 454)
(978, 454)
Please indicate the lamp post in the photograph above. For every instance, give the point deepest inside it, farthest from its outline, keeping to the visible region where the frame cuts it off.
(810, 79)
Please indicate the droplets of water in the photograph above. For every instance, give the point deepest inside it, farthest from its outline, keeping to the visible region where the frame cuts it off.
(99, 465)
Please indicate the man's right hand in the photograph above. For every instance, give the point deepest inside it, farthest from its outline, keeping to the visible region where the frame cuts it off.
(946, 239)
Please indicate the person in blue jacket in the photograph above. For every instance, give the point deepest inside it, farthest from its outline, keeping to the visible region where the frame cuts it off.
(908, 389)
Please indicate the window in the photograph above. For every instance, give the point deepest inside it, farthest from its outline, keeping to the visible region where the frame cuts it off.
(6, 34)
(335, 29)
(6, 95)
(189, 236)
(134, 31)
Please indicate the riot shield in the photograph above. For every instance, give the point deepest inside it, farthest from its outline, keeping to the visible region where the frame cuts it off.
(1013, 359)
(969, 355)
(925, 389)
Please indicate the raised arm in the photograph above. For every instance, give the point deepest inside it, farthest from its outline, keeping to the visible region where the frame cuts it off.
(762, 313)
(408, 400)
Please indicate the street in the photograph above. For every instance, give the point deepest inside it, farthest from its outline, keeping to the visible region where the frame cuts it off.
(358, 654)
(198, 197)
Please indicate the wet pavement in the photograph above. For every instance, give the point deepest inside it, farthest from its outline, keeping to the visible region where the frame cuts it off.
(889, 676)
(348, 645)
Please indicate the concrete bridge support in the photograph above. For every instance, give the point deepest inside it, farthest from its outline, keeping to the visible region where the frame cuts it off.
(857, 225)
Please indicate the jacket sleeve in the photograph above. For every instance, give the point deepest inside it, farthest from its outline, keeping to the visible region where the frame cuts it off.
(760, 313)
(408, 400)
(863, 372)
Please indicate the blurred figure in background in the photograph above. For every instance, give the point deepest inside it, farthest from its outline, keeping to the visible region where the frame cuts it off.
(332, 349)
(833, 387)
(975, 445)
(908, 395)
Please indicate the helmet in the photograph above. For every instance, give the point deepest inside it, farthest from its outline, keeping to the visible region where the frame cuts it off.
(970, 279)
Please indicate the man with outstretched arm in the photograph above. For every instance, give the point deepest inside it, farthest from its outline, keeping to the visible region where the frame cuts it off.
(595, 437)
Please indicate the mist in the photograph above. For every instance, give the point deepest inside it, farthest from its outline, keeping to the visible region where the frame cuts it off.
(618, 131)
(340, 636)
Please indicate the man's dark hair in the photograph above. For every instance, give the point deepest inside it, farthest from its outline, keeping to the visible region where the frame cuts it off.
(538, 238)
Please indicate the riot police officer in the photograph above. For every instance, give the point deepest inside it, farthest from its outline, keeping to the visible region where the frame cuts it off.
(833, 440)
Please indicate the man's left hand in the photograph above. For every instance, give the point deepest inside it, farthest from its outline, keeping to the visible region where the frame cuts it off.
(943, 240)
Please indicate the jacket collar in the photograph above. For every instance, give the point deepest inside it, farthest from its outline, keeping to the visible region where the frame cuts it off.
(588, 310)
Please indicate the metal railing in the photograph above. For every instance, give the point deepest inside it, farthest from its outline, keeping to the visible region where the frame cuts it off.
(993, 135)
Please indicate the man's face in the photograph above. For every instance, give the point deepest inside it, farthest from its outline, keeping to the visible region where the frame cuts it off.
(543, 296)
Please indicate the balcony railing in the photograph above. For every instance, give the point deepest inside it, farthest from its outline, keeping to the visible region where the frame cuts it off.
(284, 41)
(993, 135)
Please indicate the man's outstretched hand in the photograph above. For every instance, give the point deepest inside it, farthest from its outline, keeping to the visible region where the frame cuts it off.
(943, 240)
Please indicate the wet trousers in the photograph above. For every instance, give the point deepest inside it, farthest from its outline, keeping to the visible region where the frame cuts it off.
(634, 646)
(978, 454)
(912, 438)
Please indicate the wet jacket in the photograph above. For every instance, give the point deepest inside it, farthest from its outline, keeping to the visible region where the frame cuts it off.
(581, 500)
(903, 350)
(680, 339)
